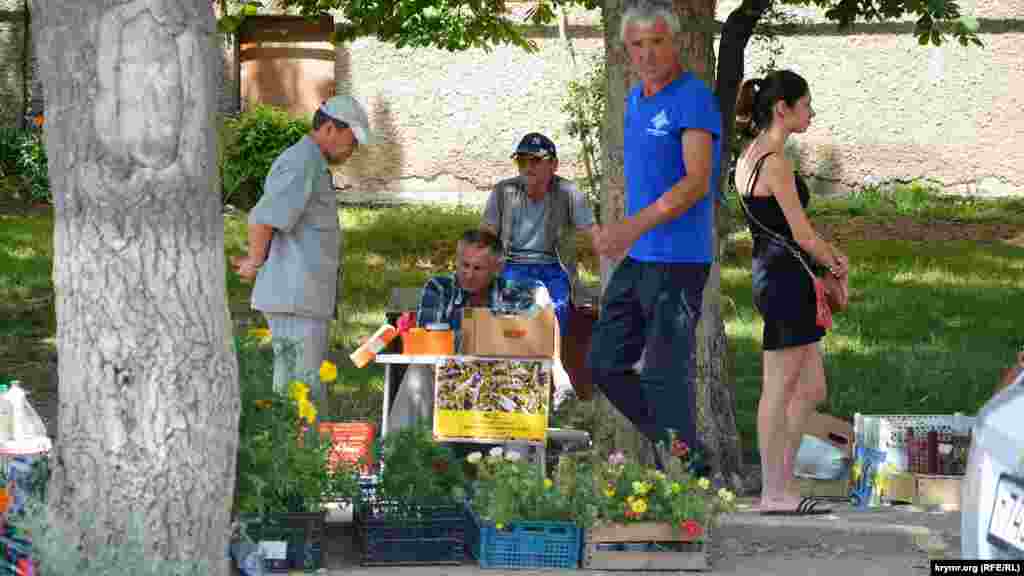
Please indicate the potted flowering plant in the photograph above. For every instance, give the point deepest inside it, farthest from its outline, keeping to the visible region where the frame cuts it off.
(654, 519)
(523, 519)
(282, 461)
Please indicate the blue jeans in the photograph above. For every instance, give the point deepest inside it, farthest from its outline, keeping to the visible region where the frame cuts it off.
(657, 306)
(554, 278)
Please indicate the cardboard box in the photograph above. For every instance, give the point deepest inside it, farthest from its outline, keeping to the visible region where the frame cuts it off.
(835, 431)
(487, 334)
(925, 490)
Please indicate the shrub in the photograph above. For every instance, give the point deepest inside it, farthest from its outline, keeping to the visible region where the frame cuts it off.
(23, 158)
(251, 142)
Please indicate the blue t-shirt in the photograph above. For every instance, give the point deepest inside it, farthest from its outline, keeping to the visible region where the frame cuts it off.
(653, 163)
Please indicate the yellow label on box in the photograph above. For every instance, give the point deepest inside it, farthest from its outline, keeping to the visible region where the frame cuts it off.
(452, 424)
(491, 400)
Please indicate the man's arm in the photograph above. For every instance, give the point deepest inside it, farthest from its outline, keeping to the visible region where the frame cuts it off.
(259, 243)
(614, 240)
(490, 221)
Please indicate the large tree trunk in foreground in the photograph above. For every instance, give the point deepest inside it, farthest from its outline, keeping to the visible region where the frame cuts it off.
(148, 391)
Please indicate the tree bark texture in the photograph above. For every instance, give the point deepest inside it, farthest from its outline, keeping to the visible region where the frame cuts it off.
(148, 389)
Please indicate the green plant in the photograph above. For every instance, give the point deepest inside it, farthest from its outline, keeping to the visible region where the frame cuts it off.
(585, 104)
(631, 492)
(282, 459)
(251, 142)
(416, 469)
(507, 489)
(23, 157)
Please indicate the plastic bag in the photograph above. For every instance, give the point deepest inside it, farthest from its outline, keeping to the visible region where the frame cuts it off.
(819, 460)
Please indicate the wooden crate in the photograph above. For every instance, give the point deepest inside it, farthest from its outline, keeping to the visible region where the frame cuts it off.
(694, 557)
(925, 490)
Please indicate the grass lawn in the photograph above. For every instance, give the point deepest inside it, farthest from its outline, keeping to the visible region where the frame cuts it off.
(934, 315)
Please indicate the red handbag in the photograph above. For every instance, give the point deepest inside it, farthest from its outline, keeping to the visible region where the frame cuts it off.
(824, 315)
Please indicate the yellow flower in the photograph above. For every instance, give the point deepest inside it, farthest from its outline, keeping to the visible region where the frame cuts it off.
(261, 334)
(639, 506)
(307, 411)
(641, 488)
(630, 499)
(725, 495)
(298, 391)
(855, 471)
(609, 491)
(328, 371)
(499, 525)
(704, 483)
(677, 487)
(659, 474)
(548, 483)
(262, 404)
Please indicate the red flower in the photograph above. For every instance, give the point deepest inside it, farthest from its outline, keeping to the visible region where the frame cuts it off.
(440, 466)
(692, 528)
(679, 448)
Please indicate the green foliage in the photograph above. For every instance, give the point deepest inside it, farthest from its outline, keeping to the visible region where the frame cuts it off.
(55, 553)
(451, 25)
(251, 142)
(23, 159)
(585, 105)
(418, 470)
(282, 460)
(508, 489)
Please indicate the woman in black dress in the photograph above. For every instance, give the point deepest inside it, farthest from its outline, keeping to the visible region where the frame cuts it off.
(786, 249)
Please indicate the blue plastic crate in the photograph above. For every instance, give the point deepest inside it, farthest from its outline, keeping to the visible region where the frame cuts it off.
(394, 533)
(528, 544)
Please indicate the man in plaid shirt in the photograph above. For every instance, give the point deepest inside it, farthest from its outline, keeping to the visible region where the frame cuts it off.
(475, 284)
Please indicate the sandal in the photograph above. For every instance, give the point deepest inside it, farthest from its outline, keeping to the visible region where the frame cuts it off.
(805, 508)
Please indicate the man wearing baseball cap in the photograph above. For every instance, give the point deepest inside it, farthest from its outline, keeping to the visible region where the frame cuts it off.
(295, 242)
(536, 215)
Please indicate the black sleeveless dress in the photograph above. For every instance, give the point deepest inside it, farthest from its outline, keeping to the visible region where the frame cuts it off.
(783, 290)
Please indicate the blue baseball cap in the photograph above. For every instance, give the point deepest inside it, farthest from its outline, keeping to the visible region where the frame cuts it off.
(535, 144)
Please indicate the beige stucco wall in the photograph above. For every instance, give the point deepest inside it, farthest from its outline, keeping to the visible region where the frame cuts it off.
(888, 109)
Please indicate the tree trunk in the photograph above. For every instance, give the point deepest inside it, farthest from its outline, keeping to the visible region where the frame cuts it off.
(148, 421)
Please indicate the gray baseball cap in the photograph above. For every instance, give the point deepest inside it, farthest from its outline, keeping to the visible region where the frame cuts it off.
(349, 111)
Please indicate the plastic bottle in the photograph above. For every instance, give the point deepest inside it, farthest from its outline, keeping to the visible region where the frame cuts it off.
(15, 396)
(380, 339)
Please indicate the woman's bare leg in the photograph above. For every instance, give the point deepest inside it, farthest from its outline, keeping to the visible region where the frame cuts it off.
(809, 392)
(781, 373)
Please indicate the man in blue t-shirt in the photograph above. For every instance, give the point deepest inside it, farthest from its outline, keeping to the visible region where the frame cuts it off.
(653, 299)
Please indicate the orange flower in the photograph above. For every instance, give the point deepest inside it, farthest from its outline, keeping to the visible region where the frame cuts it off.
(692, 528)
(262, 404)
(39, 120)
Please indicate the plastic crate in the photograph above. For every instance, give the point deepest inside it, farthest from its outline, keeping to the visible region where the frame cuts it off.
(302, 535)
(888, 433)
(528, 544)
(351, 442)
(394, 533)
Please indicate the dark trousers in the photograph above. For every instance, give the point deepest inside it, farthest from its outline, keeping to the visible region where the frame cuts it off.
(657, 306)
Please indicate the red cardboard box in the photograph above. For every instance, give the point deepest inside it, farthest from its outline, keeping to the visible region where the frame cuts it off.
(351, 442)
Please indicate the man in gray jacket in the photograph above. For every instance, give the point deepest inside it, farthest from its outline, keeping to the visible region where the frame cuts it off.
(294, 242)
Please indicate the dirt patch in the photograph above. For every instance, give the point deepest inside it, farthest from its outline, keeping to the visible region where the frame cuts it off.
(906, 228)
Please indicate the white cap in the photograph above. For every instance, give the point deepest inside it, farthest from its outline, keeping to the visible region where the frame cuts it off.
(349, 111)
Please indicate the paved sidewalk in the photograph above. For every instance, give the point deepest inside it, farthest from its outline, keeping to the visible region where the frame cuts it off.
(850, 542)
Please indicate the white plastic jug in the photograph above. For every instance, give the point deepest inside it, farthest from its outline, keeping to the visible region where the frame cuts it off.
(21, 429)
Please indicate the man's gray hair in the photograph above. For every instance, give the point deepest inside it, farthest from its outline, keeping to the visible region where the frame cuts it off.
(647, 12)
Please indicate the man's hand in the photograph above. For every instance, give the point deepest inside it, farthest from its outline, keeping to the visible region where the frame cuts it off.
(613, 240)
(246, 267)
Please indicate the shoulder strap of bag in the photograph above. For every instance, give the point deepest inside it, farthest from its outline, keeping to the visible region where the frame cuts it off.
(769, 234)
